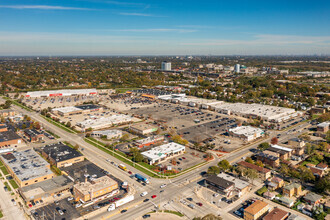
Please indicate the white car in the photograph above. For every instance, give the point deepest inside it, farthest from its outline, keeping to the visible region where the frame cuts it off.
(162, 186)
(60, 212)
(70, 198)
(78, 205)
(143, 194)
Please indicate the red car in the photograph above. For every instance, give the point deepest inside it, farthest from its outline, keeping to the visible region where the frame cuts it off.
(30, 205)
(129, 172)
(200, 204)
(153, 196)
(183, 158)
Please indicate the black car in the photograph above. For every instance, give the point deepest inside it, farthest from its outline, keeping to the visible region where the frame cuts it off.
(146, 216)
(190, 199)
(146, 200)
(123, 211)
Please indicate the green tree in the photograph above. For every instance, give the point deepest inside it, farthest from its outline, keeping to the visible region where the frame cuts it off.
(252, 174)
(249, 160)
(213, 170)
(224, 165)
(125, 137)
(259, 163)
(208, 217)
(263, 146)
(136, 154)
(323, 185)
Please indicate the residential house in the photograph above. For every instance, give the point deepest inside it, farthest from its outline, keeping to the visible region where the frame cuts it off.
(275, 183)
(256, 210)
(264, 173)
(286, 201)
(293, 189)
(312, 198)
(270, 158)
(276, 214)
(269, 195)
(298, 145)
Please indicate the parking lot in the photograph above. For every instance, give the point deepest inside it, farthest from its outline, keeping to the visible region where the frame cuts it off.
(184, 161)
(207, 130)
(238, 211)
(51, 211)
(60, 101)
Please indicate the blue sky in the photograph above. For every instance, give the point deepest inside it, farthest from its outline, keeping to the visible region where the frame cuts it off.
(164, 27)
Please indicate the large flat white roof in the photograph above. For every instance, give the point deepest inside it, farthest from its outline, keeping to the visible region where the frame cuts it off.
(111, 120)
(67, 109)
(63, 92)
(246, 130)
(162, 151)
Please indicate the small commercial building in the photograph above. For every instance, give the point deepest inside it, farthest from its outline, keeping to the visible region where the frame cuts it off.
(33, 135)
(269, 195)
(219, 185)
(283, 152)
(61, 155)
(109, 134)
(143, 129)
(149, 141)
(9, 138)
(264, 173)
(27, 167)
(92, 189)
(247, 133)
(256, 210)
(241, 187)
(276, 214)
(162, 153)
(46, 189)
(7, 113)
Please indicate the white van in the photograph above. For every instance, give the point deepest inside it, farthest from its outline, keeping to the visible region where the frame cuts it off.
(143, 194)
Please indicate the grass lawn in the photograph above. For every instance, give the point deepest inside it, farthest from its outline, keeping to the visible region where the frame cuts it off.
(55, 135)
(1, 164)
(4, 170)
(8, 187)
(123, 90)
(13, 184)
(1, 215)
(174, 212)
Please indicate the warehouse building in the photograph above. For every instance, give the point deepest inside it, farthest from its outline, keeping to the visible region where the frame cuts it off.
(45, 190)
(247, 133)
(27, 167)
(109, 134)
(264, 112)
(61, 155)
(105, 122)
(143, 129)
(66, 92)
(161, 153)
(92, 189)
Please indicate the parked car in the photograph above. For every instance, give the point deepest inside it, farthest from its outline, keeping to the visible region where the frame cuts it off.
(153, 196)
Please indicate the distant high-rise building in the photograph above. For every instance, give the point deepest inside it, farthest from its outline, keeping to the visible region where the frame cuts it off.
(166, 66)
(237, 68)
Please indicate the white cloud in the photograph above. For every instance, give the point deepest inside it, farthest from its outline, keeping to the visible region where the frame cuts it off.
(159, 30)
(136, 14)
(42, 7)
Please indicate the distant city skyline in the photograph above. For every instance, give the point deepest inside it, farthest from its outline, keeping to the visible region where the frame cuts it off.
(150, 27)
